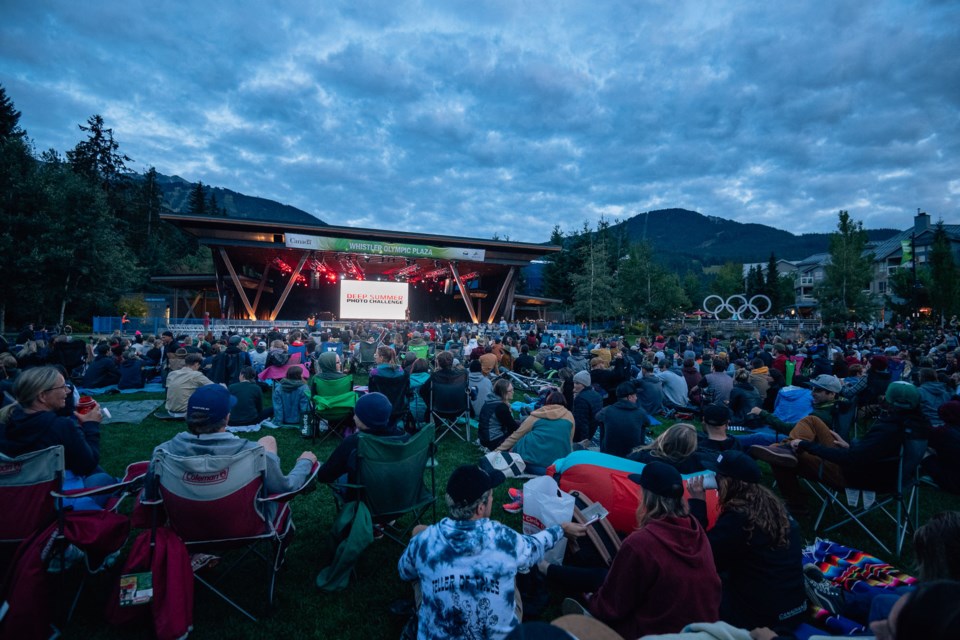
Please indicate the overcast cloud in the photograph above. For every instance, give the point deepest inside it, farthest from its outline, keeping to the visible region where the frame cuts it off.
(475, 118)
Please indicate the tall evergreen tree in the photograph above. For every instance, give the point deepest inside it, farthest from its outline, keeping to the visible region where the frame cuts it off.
(198, 200)
(646, 288)
(771, 287)
(9, 118)
(594, 293)
(556, 273)
(16, 168)
(842, 294)
(213, 208)
(944, 284)
(98, 157)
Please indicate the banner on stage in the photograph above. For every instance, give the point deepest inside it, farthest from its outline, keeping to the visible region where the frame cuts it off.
(366, 300)
(374, 248)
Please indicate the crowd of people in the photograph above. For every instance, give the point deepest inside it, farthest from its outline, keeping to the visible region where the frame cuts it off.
(793, 403)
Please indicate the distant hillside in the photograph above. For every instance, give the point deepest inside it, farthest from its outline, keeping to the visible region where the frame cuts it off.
(681, 236)
(176, 196)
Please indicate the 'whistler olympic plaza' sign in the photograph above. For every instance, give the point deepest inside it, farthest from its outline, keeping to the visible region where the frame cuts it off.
(373, 247)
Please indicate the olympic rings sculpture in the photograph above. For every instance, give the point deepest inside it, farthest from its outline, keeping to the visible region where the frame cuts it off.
(738, 312)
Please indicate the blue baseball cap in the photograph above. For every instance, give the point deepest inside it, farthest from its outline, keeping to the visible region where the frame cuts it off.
(213, 399)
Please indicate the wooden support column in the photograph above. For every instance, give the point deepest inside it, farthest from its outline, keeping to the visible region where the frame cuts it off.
(501, 295)
(463, 292)
(236, 284)
(263, 282)
(290, 283)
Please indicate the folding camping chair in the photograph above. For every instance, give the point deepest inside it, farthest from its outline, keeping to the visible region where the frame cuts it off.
(901, 506)
(32, 494)
(397, 390)
(333, 401)
(390, 480)
(195, 493)
(450, 405)
(420, 350)
(72, 354)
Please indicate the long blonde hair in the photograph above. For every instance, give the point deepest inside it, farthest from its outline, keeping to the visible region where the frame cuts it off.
(675, 444)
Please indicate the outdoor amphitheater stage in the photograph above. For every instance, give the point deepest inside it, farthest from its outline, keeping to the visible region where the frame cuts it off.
(265, 269)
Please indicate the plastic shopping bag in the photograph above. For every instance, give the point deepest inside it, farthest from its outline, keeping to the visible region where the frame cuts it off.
(545, 505)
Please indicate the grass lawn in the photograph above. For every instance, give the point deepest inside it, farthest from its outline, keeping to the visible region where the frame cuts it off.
(360, 611)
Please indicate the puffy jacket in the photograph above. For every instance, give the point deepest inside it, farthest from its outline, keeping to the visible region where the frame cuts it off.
(546, 435)
(496, 422)
(291, 400)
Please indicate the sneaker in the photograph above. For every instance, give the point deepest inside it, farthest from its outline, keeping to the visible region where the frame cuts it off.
(774, 454)
(515, 494)
(323, 426)
(821, 591)
(514, 507)
(269, 424)
(571, 607)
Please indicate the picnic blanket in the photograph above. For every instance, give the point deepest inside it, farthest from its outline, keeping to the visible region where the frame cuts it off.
(860, 574)
(132, 411)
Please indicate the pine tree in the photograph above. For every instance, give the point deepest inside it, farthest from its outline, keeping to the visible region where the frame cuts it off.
(594, 294)
(212, 207)
(98, 157)
(198, 200)
(772, 285)
(841, 293)
(943, 275)
(646, 288)
(9, 118)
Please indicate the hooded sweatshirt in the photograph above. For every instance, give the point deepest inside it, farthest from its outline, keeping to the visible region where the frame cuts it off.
(495, 422)
(546, 435)
(932, 395)
(466, 570)
(27, 432)
(662, 579)
(291, 400)
(327, 363)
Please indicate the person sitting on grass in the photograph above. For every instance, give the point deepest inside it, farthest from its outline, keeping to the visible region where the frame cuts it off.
(756, 547)
(496, 421)
(183, 382)
(131, 371)
(677, 447)
(664, 576)
(103, 371)
(546, 435)
(291, 400)
(464, 567)
(249, 407)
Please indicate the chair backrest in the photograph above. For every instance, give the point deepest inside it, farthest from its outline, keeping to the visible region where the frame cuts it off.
(336, 387)
(419, 350)
(333, 397)
(913, 449)
(199, 491)
(367, 352)
(845, 417)
(71, 353)
(391, 471)
(25, 485)
(396, 388)
(451, 397)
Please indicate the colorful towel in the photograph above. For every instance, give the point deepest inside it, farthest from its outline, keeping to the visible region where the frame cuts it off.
(853, 571)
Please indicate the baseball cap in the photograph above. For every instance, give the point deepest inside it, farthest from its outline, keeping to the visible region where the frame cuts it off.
(716, 414)
(468, 482)
(827, 383)
(659, 478)
(213, 399)
(738, 465)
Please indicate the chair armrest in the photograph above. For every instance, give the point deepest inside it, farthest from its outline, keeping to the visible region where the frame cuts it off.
(124, 486)
(290, 495)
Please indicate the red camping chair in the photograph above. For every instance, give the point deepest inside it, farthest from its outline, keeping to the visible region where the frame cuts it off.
(43, 529)
(196, 492)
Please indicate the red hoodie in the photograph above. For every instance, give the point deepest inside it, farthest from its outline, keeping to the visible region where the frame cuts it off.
(662, 579)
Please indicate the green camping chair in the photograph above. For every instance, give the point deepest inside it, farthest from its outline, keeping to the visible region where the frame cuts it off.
(333, 401)
(390, 480)
(420, 350)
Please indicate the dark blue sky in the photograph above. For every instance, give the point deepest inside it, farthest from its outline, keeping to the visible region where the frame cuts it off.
(475, 118)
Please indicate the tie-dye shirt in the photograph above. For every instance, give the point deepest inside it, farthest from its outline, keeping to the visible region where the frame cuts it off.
(466, 570)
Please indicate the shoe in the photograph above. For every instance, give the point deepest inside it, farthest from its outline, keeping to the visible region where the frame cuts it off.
(571, 607)
(774, 454)
(514, 507)
(269, 424)
(515, 494)
(377, 532)
(821, 591)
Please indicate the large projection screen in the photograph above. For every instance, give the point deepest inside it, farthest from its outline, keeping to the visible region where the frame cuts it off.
(365, 300)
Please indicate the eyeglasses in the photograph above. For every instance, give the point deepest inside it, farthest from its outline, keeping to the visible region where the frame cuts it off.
(63, 386)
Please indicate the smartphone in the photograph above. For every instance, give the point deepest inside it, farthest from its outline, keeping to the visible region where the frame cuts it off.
(593, 513)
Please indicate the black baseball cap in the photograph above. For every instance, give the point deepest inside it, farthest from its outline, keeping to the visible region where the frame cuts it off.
(468, 482)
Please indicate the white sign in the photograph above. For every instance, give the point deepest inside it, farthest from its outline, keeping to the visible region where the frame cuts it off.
(365, 300)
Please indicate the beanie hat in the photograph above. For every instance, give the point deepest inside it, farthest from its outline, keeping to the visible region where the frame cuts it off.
(949, 412)
(583, 377)
(902, 395)
(373, 410)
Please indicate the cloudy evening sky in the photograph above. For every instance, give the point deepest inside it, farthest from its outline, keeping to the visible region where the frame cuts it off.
(475, 118)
